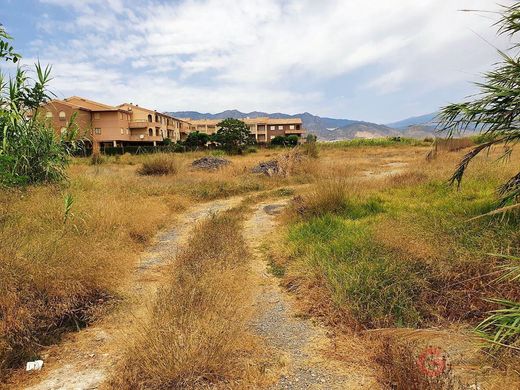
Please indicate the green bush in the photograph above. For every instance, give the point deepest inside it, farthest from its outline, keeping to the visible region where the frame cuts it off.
(30, 150)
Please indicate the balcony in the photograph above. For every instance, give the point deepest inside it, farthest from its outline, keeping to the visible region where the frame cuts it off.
(142, 124)
(146, 138)
(295, 131)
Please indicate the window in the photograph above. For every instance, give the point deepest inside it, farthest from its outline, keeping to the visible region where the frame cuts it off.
(48, 114)
(150, 132)
(97, 130)
(62, 115)
(122, 131)
(127, 131)
(97, 115)
(121, 117)
(291, 127)
(272, 127)
(280, 127)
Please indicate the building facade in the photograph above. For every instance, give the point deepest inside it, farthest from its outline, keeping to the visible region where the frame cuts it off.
(130, 124)
(264, 129)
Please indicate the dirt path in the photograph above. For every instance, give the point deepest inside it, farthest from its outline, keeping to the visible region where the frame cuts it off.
(84, 360)
(301, 343)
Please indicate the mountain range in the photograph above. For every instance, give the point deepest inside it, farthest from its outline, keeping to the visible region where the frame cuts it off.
(332, 129)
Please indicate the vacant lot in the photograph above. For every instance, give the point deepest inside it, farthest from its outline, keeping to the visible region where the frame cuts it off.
(373, 238)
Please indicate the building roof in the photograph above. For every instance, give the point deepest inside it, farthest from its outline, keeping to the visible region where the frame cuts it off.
(90, 104)
(75, 106)
(150, 111)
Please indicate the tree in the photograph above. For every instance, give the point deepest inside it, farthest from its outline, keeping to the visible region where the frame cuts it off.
(196, 140)
(6, 49)
(30, 151)
(495, 111)
(311, 138)
(233, 135)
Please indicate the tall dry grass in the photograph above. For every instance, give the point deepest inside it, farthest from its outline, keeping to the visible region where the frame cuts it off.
(59, 261)
(56, 272)
(197, 335)
(159, 164)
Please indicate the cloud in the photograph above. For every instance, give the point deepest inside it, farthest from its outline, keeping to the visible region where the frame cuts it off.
(260, 54)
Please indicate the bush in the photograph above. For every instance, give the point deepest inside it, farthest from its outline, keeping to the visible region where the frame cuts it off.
(159, 164)
(279, 140)
(31, 151)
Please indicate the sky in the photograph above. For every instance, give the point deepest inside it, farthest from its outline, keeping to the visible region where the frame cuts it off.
(373, 60)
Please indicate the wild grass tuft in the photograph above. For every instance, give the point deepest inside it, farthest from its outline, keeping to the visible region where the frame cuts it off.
(159, 164)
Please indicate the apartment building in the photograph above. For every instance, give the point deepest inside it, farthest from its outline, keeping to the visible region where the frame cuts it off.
(263, 128)
(130, 124)
(104, 125)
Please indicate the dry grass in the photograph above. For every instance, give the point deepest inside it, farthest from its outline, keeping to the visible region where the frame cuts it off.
(159, 164)
(197, 335)
(55, 276)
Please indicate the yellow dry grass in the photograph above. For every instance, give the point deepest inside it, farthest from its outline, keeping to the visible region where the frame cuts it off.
(197, 334)
(58, 267)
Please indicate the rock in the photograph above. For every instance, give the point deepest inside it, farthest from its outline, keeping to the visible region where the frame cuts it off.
(268, 168)
(210, 163)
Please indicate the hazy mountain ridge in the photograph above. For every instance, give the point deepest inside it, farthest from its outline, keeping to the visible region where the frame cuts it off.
(332, 129)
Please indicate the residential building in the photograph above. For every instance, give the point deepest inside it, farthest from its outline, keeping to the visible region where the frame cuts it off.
(263, 128)
(104, 125)
(129, 124)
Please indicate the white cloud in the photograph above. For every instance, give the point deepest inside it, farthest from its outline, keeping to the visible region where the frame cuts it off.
(256, 54)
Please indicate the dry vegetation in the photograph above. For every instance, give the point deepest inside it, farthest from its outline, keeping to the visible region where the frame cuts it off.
(372, 243)
(66, 249)
(197, 334)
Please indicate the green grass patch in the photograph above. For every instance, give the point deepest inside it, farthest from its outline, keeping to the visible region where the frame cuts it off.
(363, 142)
(403, 256)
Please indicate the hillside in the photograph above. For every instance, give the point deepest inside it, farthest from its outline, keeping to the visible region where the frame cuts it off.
(329, 129)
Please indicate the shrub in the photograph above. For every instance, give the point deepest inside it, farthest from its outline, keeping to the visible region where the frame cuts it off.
(292, 140)
(159, 164)
(279, 140)
(31, 151)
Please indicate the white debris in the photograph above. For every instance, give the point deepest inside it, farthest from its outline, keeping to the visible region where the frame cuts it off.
(34, 366)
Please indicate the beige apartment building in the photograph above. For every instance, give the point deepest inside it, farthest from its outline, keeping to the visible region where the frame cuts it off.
(130, 124)
(263, 128)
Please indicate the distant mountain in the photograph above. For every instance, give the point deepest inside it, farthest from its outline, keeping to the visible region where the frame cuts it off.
(331, 129)
(424, 120)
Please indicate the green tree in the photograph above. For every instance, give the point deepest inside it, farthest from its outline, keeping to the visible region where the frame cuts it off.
(30, 151)
(6, 49)
(495, 111)
(233, 135)
(196, 140)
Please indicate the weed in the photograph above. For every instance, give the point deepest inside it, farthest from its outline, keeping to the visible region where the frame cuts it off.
(159, 164)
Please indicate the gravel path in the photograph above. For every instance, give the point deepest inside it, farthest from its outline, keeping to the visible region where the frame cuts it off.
(84, 360)
(299, 342)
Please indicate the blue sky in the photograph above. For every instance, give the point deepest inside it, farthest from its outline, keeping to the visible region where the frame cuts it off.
(373, 60)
